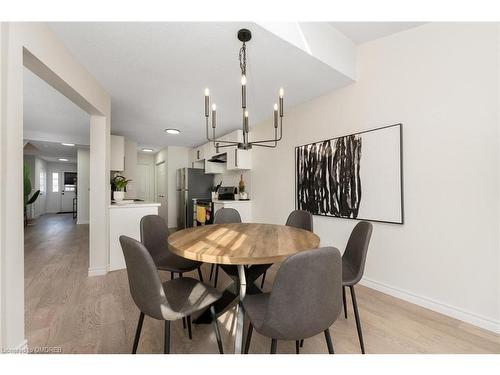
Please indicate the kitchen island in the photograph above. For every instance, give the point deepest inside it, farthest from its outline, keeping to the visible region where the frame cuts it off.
(124, 219)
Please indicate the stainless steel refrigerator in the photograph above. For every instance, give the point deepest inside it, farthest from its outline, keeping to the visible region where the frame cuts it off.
(192, 183)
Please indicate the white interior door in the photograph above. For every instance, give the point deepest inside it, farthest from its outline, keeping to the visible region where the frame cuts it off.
(67, 199)
(67, 194)
(161, 190)
(145, 182)
(55, 184)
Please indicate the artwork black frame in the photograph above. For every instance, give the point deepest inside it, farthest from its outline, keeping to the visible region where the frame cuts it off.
(400, 125)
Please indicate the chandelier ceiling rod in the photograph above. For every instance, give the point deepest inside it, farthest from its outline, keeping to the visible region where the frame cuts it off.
(244, 35)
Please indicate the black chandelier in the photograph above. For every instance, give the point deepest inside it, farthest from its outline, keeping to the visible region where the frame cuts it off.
(244, 35)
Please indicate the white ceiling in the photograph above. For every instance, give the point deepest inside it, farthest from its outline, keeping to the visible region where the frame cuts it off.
(361, 32)
(52, 151)
(156, 74)
(49, 115)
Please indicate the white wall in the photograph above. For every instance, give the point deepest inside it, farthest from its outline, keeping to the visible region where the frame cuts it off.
(53, 200)
(441, 81)
(29, 161)
(177, 157)
(232, 178)
(34, 45)
(83, 187)
(36, 166)
(41, 202)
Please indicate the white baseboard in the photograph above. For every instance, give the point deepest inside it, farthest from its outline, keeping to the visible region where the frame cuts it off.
(82, 221)
(428, 303)
(98, 271)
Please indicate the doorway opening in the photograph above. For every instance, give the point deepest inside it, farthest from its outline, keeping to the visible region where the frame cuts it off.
(56, 164)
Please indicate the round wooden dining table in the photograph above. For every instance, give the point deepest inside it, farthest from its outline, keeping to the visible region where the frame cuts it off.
(244, 251)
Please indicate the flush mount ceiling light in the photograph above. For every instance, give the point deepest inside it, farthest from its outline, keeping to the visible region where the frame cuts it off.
(147, 149)
(244, 35)
(63, 159)
(172, 131)
(68, 144)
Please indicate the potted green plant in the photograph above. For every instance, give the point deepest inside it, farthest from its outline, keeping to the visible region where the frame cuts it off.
(27, 192)
(119, 185)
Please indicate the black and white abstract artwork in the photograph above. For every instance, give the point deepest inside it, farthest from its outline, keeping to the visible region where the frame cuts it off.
(357, 176)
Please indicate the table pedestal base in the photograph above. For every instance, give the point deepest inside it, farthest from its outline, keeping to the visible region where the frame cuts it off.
(243, 283)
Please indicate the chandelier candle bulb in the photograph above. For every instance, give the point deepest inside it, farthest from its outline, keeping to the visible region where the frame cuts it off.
(243, 91)
(207, 101)
(214, 115)
(281, 102)
(245, 122)
(275, 115)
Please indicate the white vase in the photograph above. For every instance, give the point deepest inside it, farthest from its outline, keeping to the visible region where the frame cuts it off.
(118, 195)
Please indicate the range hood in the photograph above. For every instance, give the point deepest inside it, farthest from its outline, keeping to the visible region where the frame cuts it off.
(220, 158)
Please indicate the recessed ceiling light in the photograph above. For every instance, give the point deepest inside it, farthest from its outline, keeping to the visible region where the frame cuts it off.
(63, 159)
(147, 149)
(172, 131)
(68, 144)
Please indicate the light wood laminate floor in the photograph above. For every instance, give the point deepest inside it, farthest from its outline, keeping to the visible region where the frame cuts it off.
(67, 309)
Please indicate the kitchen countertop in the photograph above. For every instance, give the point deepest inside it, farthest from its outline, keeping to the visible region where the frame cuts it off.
(232, 201)
(134, 205)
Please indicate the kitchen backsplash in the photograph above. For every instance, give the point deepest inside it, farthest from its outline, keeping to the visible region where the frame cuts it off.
(232, 178)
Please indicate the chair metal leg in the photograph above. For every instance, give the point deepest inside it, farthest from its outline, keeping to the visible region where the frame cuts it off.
(301, 343)
(216, 275)
(138, 333)
(274, 344)
(344, 302)
(190, 334)
(217, 331)
(263, 278)
(358, 321)
(211, 271)
(183, 319)
(329, 341)
(249, 337)
(297, 347)
(200, 274)
(166, 339)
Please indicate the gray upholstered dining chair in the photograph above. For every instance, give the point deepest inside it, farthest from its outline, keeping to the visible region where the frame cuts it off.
(353, 266)
(224, 216)
(172, 300)
(154, 234)
(305, 299)
(298, 219)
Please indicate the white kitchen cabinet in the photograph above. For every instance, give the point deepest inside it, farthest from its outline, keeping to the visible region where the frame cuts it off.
(117, 159)
(199, 153)
(238, 159)
(210, 151)
(244, 208)
(212, 167)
